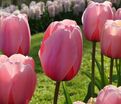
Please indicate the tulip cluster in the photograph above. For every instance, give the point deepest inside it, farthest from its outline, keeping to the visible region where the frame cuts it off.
(102, 24)
(17, 75)
(60, 52)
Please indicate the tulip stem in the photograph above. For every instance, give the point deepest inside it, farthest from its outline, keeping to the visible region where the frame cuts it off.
(56, 92)
(102, 68)
(93, 68)
(111, 70)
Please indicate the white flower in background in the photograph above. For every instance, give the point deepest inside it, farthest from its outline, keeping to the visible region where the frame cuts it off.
(51, 10)
(48, 3)
(38, 12)
(16, 12)
(32, 12)
(33, 3)
(3, 13)
(23, 5)
(60, 5)
(67, 5)
(57, 8)
(25, 9)
(78, 6)
(76, 9)
(42, 6)
(12, 8)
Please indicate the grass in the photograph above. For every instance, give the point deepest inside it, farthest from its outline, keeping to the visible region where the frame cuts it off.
(77, 87)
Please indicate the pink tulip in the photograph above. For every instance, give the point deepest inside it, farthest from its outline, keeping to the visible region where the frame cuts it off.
(109, 95)
(111, 39)
(118, 14)
(17, 79)
(14, 34)
(94, 18)
(61, 50)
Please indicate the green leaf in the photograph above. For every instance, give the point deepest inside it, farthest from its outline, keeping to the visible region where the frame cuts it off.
(104, 79)
(88, 95)
(66, 94)
(118, 68)
(97, 80)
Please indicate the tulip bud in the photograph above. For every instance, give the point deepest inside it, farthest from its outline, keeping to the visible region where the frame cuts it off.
(61, 50)
(111, 39)
(109, 95)
(94, 18)
(14, 35)
(17, 79)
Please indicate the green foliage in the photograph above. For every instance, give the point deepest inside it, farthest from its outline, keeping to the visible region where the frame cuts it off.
(118, 69)
(39, 25)
(66, 94)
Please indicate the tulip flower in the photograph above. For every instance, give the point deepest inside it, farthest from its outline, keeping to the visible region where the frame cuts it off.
(61, 51)
(118, 14)
(109, 95)
(94, 18)
(111, 39)
(14, 34)
(17, 79)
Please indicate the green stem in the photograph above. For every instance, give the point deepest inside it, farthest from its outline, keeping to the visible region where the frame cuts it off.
(119, 73)
(111, 71)
(93, 68)
(102, 69)
(56, 92)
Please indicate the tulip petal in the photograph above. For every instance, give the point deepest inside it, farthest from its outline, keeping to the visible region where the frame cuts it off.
(90, 18)
(68, 22)
(1, 34)
(22, 59)
(12, 37)
(6, 73)
(77, 39)
(50, 29)
(110, 40)
(23, 84)
(25, 31)
(57, 58)
(109, 95)
(3, 58)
